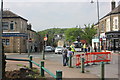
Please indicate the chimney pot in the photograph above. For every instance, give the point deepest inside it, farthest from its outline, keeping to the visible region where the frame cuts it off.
(113, 5)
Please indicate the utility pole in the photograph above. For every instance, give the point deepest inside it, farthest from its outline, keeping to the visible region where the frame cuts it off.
(1, 57)
(98, 29)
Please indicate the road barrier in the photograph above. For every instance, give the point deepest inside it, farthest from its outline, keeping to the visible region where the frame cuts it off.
(58, 75)
(93, 57)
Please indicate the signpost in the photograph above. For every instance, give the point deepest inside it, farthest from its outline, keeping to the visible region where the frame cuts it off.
(1, 58)
(29, 41)
(45, 39)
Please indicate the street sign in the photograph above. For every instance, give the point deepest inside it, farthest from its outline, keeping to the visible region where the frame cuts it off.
(95, 40)
(45, 38)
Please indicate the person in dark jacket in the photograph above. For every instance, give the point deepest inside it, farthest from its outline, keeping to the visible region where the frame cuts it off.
(64, 54)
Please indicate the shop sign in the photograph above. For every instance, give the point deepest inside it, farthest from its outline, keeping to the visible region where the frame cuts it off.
(95, 40)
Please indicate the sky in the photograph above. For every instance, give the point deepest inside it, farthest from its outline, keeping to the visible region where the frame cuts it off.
(46, 14)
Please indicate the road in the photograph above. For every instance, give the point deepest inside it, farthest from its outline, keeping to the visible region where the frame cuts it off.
(111, 70)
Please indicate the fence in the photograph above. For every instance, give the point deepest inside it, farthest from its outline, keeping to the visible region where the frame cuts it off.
(58, 75)
(93, 57)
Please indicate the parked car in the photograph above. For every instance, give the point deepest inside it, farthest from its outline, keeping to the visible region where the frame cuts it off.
(49, 49)
(58, 50)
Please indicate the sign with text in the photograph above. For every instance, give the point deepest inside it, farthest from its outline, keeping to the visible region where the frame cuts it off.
(95, 40)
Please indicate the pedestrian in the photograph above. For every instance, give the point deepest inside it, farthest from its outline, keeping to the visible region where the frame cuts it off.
(89, 48)
(95, 48)
(70, 54)
(72, 48)
(64, 54)
(84, 48)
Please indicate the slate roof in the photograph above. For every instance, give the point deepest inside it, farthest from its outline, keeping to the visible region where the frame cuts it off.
(10, 14)
(114, 11)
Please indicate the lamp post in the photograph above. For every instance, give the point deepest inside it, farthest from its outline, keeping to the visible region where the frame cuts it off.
(1, 58)
(98, 30)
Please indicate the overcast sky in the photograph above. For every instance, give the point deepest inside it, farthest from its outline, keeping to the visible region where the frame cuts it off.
(45, 14)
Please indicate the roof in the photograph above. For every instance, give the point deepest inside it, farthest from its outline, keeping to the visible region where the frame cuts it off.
(9, 14)
(114, 11)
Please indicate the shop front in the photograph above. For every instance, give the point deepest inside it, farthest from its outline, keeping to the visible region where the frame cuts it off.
(113, 40)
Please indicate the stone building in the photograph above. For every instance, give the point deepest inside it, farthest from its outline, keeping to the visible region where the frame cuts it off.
(33, 40)
(109, 27)
(15, 33)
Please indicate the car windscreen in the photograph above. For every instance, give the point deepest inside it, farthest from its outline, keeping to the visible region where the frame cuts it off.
(59, 47)
(77, 45)
(48, 47)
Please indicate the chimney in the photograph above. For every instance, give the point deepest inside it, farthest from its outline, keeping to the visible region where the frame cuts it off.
(118, 3)
(113, 4)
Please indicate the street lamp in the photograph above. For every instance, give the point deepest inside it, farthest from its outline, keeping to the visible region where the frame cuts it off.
(98, 30)
(1, 57)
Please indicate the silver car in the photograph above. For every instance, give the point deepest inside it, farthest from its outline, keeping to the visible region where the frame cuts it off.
(49, 49)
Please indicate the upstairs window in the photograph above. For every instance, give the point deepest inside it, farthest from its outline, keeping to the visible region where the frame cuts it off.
(116, 26)
(102, 27)
(11, 26)
(5, 25)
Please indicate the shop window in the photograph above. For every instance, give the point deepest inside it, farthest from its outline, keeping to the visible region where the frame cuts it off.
(3, 41)
(5, 25)
(6, 41)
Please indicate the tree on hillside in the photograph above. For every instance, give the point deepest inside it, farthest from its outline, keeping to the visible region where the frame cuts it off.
(51, 33)
(71, 34)
(88, 33)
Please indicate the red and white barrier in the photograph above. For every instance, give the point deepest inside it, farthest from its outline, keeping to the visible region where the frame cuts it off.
(93, 57)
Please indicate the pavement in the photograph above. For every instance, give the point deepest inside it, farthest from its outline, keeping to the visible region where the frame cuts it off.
(52, 67)
(91, 71)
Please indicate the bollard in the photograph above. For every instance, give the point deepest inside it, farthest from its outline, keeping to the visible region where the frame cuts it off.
(70, 61)
(94, 59)
(58, 75)
(43, 53)
(82, 65)
(41, 70)
(30, 63)
(102, 70)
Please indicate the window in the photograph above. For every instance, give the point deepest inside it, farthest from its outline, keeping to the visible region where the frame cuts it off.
(5, 25)
(6, 41)
(11, 26)
(116, 26)
(102, 27)
(3, 41)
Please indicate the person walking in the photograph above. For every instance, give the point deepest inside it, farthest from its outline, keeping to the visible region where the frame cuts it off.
(84, 48)
(64, 54)
(70, 54)
(95, 48)
(72, 48)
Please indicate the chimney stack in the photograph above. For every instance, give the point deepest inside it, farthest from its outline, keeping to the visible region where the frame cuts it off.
(113, 4)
